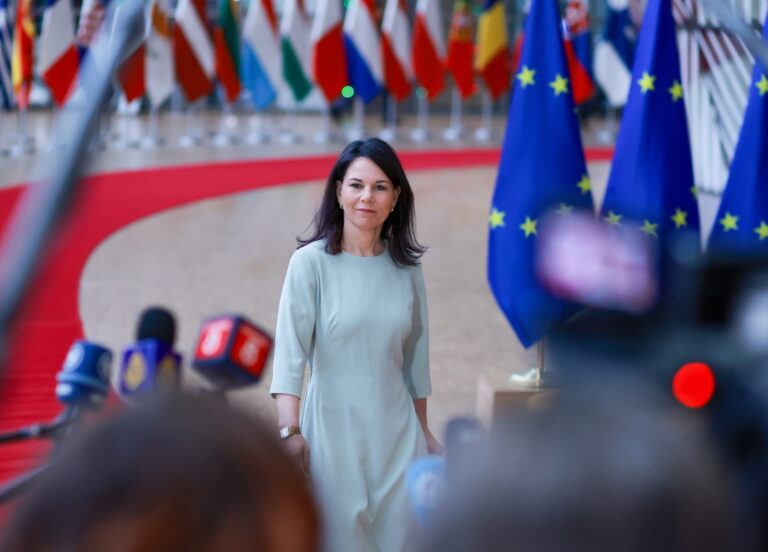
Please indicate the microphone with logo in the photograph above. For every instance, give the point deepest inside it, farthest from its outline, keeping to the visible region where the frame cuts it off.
(150, 364)
(231, 352)
(82, 385)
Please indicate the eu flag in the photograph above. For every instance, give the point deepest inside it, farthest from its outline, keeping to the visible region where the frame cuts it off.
(741, 226)
(651, 183)
(542, 167)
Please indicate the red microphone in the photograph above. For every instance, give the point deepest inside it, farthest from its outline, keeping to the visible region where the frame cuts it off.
(231, 351)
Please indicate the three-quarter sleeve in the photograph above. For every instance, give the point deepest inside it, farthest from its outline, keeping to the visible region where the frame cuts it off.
(416, 352)
(295, 326)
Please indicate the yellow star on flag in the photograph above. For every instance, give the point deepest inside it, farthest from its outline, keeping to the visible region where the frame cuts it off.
(559, 85)
(525, 76)
(695, 191)
(679, 218)
(762, 230)
(496, 218)
(677, 91)
(649, 228)
(647, 82)
(613, 219)
(762, 85)
(529, 226)
(584, 184)
(564, 209)
(729, 222)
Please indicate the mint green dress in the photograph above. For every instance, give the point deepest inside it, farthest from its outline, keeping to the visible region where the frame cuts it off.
(361, 324)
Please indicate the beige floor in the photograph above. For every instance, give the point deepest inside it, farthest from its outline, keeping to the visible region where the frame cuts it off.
(229, 255)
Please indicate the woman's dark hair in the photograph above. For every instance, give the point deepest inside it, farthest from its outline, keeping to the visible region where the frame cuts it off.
(398, 228)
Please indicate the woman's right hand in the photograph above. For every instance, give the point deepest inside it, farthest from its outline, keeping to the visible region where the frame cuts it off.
(298, 449)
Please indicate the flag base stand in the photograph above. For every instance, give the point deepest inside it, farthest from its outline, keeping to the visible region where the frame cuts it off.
(485, 132)
(257, 135)
(153, 139)
(390, 132)
(536, 376)
(287, 135)
(226, 136)
(194, 136)
(326, 133)
(357, 131)
(421, 132)
(457, 130)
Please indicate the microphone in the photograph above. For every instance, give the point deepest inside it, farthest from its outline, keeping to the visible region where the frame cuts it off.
(150, 363)
(84, 378)
(82, 384)
(231, 351)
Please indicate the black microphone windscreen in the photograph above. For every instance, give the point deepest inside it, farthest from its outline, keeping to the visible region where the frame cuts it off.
(157, 323)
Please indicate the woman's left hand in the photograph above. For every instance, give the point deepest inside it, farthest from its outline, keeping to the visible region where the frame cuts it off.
(433, 446)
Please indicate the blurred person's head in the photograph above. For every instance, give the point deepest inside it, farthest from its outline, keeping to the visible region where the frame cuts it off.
(588, 474)
(178, 473)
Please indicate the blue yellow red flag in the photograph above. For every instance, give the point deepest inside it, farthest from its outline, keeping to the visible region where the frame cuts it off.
(542, 168)
(651, 184)
(741, 225)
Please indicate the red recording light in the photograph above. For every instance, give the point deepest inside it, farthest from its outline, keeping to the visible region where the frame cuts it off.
(694, 384)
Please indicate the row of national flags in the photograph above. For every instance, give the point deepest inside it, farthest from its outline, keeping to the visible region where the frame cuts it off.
(650, 188)
(265, 54)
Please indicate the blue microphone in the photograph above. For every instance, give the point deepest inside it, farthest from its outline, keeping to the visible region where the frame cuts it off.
(426, 483)
(150, 364)
(84, 378)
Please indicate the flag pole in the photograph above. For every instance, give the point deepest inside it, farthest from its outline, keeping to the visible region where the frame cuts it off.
(534, 376)
(389, 132)
(421, 132)
(485, 132)
(456, 130)
(223, 138)
(287, 135)
(26, 142)
(325, 134)
(357, 131)
(153, 139)
(192, 137)
(257, 135)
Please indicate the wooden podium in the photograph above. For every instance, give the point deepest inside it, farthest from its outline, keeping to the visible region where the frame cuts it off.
(498, 395)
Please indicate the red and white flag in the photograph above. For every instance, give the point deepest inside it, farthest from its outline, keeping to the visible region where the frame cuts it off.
(58, 60)
(193, 50)
(131, 75)
(159, 72)
(429, 47)
(329, 61)
(396, 50)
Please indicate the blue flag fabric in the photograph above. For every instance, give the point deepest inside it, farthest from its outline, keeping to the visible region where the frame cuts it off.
(741, 226)
(651, 183)
(542, 168)
(7, 101)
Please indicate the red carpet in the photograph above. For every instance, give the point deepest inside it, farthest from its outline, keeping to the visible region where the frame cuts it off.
(51, 322)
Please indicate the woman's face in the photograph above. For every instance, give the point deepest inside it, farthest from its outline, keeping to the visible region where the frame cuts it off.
(366, 194)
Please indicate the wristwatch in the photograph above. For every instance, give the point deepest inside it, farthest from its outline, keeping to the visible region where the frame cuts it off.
(287, 431)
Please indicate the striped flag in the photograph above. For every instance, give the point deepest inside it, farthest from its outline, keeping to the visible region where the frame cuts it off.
(329, 62)
(159, 75)
(227, 45)
(461, 49)
(58, 59)
(193, 54)
(578, 49)
(7, 100)
(615, 52)
(363, 45)
(294, 32)
(23, 52)
(261, 60)
(429, 47)
(131, 74)
(492, 51)
(396, 50)
(92, 14)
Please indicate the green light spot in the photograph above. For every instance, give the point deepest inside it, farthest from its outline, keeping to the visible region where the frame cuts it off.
(421, 92)
(347, 91)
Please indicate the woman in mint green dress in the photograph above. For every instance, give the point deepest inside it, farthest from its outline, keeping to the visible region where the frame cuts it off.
(354, 308)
